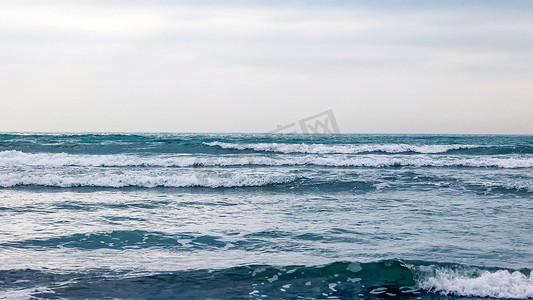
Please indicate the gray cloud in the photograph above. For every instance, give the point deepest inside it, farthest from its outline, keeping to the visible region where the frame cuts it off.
(211, 66)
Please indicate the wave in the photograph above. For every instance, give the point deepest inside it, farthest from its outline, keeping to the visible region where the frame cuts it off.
(280, 181)
(17, 159)
(472, 281)
(515, 186)
(121, 240)
(248, 143)
(199, 179)
(338, 280)
(342, 148)
(497, 284)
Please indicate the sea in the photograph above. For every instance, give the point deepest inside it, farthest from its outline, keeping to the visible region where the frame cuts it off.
(265, 216)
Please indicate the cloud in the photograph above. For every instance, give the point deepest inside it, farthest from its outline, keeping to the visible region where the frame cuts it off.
(159, 58)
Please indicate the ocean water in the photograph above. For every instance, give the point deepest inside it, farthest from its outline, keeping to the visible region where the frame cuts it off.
(258, 216)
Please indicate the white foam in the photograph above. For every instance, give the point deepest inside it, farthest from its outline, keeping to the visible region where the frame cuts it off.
(498, 183)
(24, 293)
(498, 284)
(141, 180)
(18, 159)
(341, 148)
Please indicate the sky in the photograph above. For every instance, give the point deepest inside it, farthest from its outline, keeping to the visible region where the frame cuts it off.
(246, 66)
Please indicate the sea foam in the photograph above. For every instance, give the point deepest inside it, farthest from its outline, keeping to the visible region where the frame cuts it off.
(342, 148)
(497, 284)
(17, 158)
(143, 180)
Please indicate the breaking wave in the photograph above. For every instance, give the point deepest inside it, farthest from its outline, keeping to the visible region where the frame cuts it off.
(17, 158)
(342, 148)
(144, 180)
(472, 282)
(338, 280)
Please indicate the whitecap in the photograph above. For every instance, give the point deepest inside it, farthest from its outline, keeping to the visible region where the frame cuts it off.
(498, 284)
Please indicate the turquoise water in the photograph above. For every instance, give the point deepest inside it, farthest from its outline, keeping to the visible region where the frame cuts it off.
(258, 216)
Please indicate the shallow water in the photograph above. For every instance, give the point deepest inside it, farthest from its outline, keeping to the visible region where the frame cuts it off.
(265, 216)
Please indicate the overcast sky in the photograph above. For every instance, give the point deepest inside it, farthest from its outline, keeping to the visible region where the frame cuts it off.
(246, 66)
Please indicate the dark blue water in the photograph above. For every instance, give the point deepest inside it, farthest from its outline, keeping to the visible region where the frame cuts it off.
(258, 216)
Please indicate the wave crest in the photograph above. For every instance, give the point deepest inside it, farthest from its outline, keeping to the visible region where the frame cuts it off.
(497, 284)
(341, 148)
(145, 180)
(17, 158)
(337, 280)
